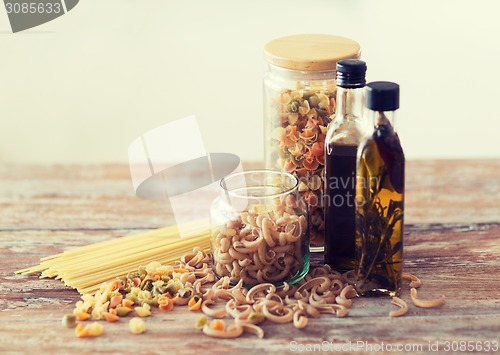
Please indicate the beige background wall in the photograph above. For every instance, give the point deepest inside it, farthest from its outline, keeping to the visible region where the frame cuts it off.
(80, 88)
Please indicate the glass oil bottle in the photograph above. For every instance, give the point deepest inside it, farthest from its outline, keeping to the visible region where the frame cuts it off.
(344, 135)
(380, 197)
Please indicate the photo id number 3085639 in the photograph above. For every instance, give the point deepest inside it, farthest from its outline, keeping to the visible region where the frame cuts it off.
(33, 8)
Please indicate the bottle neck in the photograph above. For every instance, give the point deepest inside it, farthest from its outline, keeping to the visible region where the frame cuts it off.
(387, 118)
(349, 103)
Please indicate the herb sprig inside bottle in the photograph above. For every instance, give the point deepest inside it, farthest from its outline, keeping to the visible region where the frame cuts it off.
(380, 198)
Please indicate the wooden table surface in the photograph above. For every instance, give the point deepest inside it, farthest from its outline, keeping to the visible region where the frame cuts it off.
(451, 241)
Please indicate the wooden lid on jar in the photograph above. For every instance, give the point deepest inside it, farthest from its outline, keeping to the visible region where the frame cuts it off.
(310, 51)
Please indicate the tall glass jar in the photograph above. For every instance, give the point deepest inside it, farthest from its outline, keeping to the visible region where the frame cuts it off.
(299, 101)
(259, 229)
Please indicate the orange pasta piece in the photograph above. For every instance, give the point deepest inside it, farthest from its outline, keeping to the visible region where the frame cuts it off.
(81, 331)
(115, 301)
(81, 315)
(111, 317)
(289, 166)
(318, 149)
(127, 303)
(310, 162)
(194, 305)
(181, 270)
(307, 135)
(218, 324)
(165, 304)
(116, 285)
(311, 198)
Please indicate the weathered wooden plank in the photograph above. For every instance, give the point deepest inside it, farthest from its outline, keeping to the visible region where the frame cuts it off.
(453, 223)
(456, 261)
(78, 197)
(175, 332)
(94, 197)
(431, 250)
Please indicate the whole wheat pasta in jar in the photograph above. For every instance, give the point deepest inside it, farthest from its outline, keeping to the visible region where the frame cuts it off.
(299, 103)
(260, 231)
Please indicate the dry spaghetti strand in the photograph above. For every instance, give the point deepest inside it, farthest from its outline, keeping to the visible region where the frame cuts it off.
(87, 267)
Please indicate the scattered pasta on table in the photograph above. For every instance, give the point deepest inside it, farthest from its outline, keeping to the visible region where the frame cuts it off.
(228, 310)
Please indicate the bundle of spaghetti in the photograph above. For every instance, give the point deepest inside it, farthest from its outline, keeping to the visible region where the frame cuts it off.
(87, 267)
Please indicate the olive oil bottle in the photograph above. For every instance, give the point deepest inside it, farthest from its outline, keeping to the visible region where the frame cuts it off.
(380, 197)
(345, 133)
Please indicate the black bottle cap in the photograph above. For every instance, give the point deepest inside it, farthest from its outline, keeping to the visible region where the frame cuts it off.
(382, 96)
(351, 73)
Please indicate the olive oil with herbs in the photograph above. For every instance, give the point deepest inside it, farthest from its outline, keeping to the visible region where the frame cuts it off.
(380, 198)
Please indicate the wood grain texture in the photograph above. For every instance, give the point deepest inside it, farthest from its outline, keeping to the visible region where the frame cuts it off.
(451, 242)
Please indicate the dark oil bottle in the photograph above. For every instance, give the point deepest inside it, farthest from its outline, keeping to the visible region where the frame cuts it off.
(340, 212)
(344, 135)
(380, 198)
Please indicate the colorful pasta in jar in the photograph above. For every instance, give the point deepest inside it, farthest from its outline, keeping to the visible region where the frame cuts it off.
(299, 101)
(260, 231)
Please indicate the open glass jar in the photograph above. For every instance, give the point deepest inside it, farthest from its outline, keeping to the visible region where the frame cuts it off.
(259, 229)
(299, 101)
